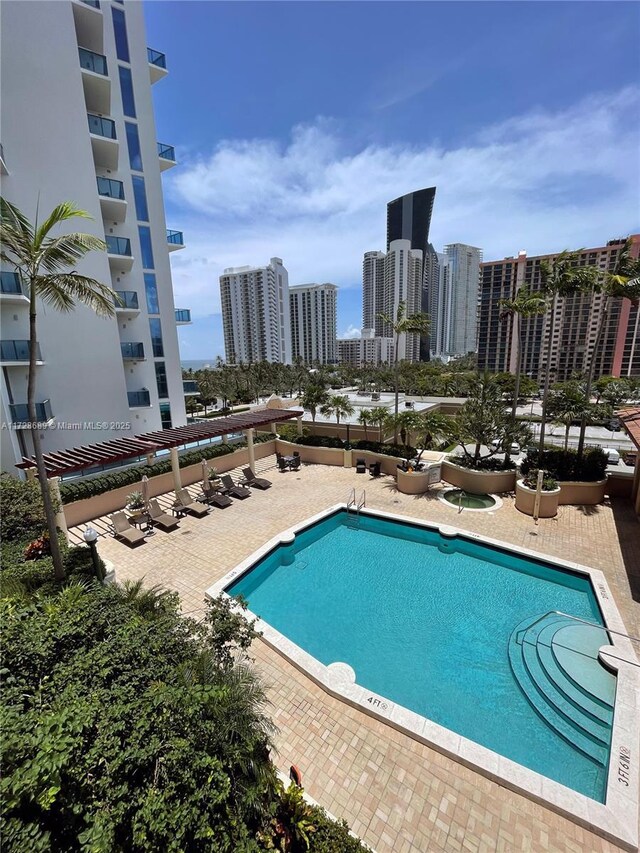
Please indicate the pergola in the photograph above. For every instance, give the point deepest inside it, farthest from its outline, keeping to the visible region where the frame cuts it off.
(630, 421)
(62, 462)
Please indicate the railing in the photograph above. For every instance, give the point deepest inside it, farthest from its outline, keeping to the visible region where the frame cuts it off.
(100, 126)
(183, 315)
(93, 61)
(94, 3)
(190, 386)
(167, 152)
(17, 351)
(138, 398)
(10, 282)
(132, 350)
(128, 299)
(156, 58)
(605, 628)
(176, 238)
(110, 188)
(20, 412)
(118, 245)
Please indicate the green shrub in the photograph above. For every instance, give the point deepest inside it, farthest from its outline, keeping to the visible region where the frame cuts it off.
(400, 451)
(319, 441)
(331, 836)
(289, 432)
(488, 463)
(531, 481)
(21, 509)
(565, 465)
(224, 413)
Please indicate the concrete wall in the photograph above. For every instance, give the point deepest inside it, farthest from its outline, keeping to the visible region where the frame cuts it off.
(478, 482)
(526, 498)
(582, 494)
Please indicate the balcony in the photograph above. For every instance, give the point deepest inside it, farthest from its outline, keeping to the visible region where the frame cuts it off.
(139, 399)
(167, 156)
(128, 303)
(112, 200)
(89, 24)
(19, 413)
(3, 162)
(119, 252)
(11, 289)
(190, 388)
(132, 352)
(104, 142)
(157, 65)
(183, 316)
(95, 80)
(16, 354)
(175, 240)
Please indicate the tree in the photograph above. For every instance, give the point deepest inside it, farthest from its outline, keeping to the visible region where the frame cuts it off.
(46, 267)
(568, 403)
(207, 386)
(364, 419)
(339, 405)
(561, 278)
(435, 428)
(312, 399)
(523, 306)
(379, 416)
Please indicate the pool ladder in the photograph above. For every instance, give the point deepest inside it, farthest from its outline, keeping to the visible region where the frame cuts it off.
(353, 508)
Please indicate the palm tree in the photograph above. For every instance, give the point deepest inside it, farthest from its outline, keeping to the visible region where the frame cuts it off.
(568, 403)
(622, 283)
(417, 324)
(339, 405)
(43, 263)
(561, 278)
(524, 305)
(379, 416)
(312, 398)
(364, 419)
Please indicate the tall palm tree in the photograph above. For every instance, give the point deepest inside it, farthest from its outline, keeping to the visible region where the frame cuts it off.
(379, 416)
(312, 398)
(524, 305)
(622, 283)
(364, 419)
(338, 405)
(45, 265)
(417, 324)
(561, 278)
(568, 403)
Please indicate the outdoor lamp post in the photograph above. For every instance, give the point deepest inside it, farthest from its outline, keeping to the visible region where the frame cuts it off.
(90, 536)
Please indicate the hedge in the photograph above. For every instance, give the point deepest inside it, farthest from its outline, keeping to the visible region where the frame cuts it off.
(225, 413)
(486, 463)
(83, 489)
(565, 465)
(397, 450)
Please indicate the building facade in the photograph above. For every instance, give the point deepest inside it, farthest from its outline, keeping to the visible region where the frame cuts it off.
(255, 313)
(577, 319)
(367, 349)
(78, 124)
(313, 313)
(460, 299)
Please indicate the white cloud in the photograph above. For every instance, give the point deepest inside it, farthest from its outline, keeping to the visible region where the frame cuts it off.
(542, 181)
(351, 332)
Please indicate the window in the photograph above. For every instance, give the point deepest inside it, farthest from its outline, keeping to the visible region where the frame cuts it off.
(151, 289)
(126, 90)
(165, 415)
(161, 379)
(133, 144)
(142, 211)
(120, 31)
(145, 245)
(156, 337)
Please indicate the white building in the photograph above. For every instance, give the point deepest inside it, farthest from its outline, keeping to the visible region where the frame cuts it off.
(78, 124)
(460, 294)
(312, 309)
(349, 351)
(367, 349)
(255, 313)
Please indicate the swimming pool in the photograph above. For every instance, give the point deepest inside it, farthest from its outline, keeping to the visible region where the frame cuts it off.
(461, 632)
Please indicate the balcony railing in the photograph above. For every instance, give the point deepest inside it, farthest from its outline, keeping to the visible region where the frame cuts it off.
(17, 351)
(118, 245)
(92, 61)
(138, 398)
(110, 188)
(176, 238)
(190, 386)
(20, 412)
(183, 315)
(10, 282)
(132, 351)
(167, 152)
(128, 299)
(100, 126)
(94, 3)
(156, 58)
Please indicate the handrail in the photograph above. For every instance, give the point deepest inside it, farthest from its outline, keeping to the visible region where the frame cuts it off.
(595, 625)
(363, 500)
(352, 498)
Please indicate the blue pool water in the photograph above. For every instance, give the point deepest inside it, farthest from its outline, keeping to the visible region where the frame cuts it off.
(433, 630)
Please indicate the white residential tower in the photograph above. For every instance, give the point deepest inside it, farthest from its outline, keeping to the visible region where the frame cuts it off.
(312, 309)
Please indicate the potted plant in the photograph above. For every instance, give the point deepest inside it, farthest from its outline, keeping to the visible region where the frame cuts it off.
(135, 502)
(213, 475)
(526, 491)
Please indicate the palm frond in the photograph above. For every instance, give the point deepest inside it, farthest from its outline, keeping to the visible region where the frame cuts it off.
(63, 290)
(65, 251)
(61, 213)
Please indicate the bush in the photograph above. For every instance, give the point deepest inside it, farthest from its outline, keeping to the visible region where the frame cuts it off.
(289, 432)
(396, 450)
(488, 463)
(319, 441)
(531, 481)
(21, 508)
(565, 465)
(224, 413)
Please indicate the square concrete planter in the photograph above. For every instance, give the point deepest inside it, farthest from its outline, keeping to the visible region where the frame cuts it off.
(526, 498)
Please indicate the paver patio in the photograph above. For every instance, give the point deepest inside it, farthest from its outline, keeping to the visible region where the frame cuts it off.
(397, 795)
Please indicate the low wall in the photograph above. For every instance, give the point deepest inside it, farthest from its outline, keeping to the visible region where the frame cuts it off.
(478, 482)
(526, 500)
(314, 455)
(619, 485)
(79, 512)
(581, 494)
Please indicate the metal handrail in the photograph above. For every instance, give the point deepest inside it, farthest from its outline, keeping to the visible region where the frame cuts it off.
(588, 622)
(352, 498)
(363, 500)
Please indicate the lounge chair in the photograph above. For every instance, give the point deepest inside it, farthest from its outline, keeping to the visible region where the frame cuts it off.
(213, 498)
(161, 519)
(374, 469)
(295, 465)
(361, 466)
(250, 479)
(124, 531)
(186, 504)
(230, 488)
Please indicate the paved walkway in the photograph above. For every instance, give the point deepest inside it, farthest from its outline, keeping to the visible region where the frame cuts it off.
(398, 795)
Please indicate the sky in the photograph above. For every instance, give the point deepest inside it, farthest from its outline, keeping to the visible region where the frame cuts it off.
(296, 122)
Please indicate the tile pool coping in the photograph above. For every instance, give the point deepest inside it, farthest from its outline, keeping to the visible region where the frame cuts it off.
(616, 819)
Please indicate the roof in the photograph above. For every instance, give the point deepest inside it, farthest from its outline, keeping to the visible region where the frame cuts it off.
(630, 421)
(61, 462)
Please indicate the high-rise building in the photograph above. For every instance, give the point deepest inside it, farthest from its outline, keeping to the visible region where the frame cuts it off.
(349, 351)
(373, 296)
(576, 323)
(255, 313)
(430, 291)
(460, 296)
(368, 349)
(439, 307)
(312, 308)
(78, 124)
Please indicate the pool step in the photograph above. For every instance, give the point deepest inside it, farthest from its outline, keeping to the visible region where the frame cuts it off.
(558, 671)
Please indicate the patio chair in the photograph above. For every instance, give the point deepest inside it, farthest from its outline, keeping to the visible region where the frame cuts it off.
(213, 498)
(230, 488)
(250, 479)
(295, 465)
(282, 465)
(361, 466)
(374, 469)
(186, 504)
(124, 531)
(161, 519)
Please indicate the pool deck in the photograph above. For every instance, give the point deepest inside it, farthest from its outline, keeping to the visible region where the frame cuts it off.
(397, 794)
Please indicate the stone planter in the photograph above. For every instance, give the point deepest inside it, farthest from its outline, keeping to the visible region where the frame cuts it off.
(416, 482)
(478, 482)
(526, 497)
(581, 493)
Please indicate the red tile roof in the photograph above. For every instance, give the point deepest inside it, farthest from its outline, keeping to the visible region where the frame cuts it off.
(630, 420)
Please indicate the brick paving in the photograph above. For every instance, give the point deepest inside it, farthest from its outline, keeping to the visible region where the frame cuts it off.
(397, 795)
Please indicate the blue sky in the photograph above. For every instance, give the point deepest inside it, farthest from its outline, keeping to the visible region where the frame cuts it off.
(295, 123)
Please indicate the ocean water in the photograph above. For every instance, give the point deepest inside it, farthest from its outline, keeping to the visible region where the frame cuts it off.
(197, 364)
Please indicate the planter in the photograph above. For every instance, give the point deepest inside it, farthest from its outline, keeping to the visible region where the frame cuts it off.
(526, 497)
(478, 482)
(418, 482)
(347, 458)
(581, 493)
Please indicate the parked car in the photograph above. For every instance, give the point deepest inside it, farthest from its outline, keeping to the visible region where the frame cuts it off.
(496, 444)
(613, 455)
(630, 458)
